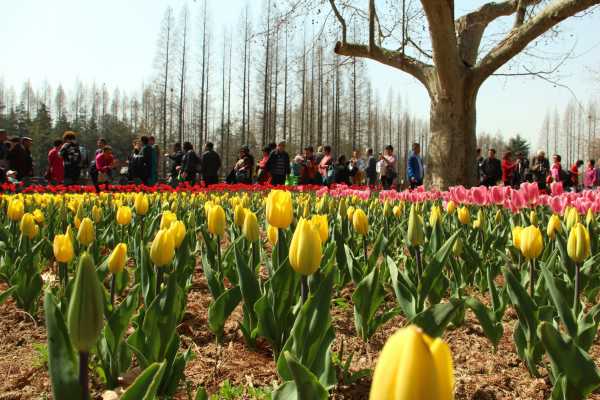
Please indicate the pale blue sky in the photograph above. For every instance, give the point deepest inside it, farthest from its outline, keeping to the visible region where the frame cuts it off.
(113, 41)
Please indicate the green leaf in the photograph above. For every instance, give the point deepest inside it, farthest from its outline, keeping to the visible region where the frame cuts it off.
(146, 384)
(558, 299)
(306, 384)
(434, 320)
(405, 296)
(4, 295)
(367, 298)
(221, 309)
(493, 329)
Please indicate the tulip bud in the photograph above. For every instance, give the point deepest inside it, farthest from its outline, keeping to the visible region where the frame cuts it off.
(123, 215)
(457, 248)
(167, 219)
(28, 227)
(63, 248)
(178, 231)
(531, 242)
(279, 210)
(451, 207)
(464, 216)
(554, 226)
(87, 232)
(306, 211)
(305, 249)
(239, 213)
(350, 213)
(162, 250)
(250, 229)
(434, 215)
(86, 307)
(272, 235)
(141, 204)
(516, 236)
(38, 216)
(415, 235)
(216, 221)
(360, 222)
(533, 218)
(320, 222)
(498, 218)
(397, 211)
(387, 209)
(572, 218)
(589, 218)
(117, 259)
(97, 214)
(578, 245)
(16, 209)
(413, 366)
(343, 208)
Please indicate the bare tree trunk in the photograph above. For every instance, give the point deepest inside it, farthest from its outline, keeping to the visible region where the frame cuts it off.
(203, 77)
(266, 99)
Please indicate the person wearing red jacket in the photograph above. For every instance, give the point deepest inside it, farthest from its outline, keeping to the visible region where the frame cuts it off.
(104, 164)
(508, 169)
(56, 168)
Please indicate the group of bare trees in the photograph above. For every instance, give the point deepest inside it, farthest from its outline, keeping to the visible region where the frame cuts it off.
(268, 79)
(574, 132)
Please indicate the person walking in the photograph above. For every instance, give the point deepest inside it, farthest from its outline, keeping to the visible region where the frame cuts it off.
(540, 168)
(508, 169)
(590, 176)
(210, 164)
(155, 158)
(56, 169)
(189, 164)
(175, 159)
(415, 170)
(491, 169)
(279, 165)
(70, 153)
(146, 162)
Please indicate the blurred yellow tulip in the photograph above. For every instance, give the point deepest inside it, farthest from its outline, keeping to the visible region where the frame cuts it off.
(305, 248)
(415, 234)
(589, 217)
(360, 222)
(239, 213)
(533, 218)
(16, 209)
(38, 216)
(117, 259)
(124, 215)
(141, 204)
(216, 221)
(162, 249)
(279, 211)
(272, 235)
(28, 226)
(413, 366)
(554, 226)
(516, 236)
(62, 247)
(178, 231)
(578, 245)
(97, 214)
(531, 242)
(451, 207)
(434, 215)
(250, 229)
(167, 219)
(86, 233)
(464, 216)
(572, 217)
(320, 222)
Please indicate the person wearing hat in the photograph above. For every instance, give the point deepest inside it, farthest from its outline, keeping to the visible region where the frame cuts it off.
(540, 168)
(71, 155)
(279, 165)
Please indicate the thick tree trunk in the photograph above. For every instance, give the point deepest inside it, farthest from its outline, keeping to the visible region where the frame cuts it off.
(451, 154)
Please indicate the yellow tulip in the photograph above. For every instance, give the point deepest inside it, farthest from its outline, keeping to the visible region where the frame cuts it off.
(118, 258)
(87, 232)
(554, 226)
(415, 235)
(350, 213)
(216, 221)
(464, 216)
(305, 248)
(397, 211)
(343, 208)
(578, 246)
(250, 229)
(16, 209)
(589, 218)
(387, 209)
(38, 216)
(97, 214)
(457, 248)
(572, 217)
(167, 219)
(141, 204)
(451, 207)
(498, 218)
(413, 366)
(531, 242)
(279, 211)
(63, 248)
(77, 222)
(320, 222)
(272, 235)
(123, 215)
(239, 213)
(162, 250)
(28, 227)
(516, 236)
(178, 231)
(533, 218)
(434, 215)
(360, 222)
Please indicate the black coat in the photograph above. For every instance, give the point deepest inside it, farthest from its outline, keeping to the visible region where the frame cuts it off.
(211, 163)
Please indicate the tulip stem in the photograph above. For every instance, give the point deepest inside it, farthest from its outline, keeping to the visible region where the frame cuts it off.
(159, 278)
(418, 262)
(83, 375)
(304, 288)
(531, 278)
(63, 275)
(280, 248)
(219, 254)
(364, 239)
(113, 284)
(576, 295)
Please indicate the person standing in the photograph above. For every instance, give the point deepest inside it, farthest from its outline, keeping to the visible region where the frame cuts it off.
(491, 169)
(590, 176)
(357, 168)
(522, 173)
(415, 170)
(189, 164)
(242, 170)
(71, 155)
(210, 163)
(262, 174)
(575, 175)
(371, 168)
(155, 156)
(93, 170)
(175, 158)
(326, 166)
(508, 169)
(104, 165)
(27, 143)
(342, 172)
(146, 153)
(56, 169)
(388, 171)
(540, 167)
(309, 170)
(135, 164)
(558, 174)
(279, 165)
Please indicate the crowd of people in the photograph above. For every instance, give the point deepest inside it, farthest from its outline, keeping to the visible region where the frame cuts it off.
(514, 170)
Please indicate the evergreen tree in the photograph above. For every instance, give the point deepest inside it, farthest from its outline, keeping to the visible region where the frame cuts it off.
(43, 138)
(519, 144)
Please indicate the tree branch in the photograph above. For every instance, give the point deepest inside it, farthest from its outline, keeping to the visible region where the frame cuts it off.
(520, 37)
(340, 19)
(394, 59)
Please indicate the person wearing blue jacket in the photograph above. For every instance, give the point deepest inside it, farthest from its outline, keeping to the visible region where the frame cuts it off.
(415, 169)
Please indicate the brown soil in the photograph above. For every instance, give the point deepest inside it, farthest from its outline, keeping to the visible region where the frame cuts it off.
(481, 374)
